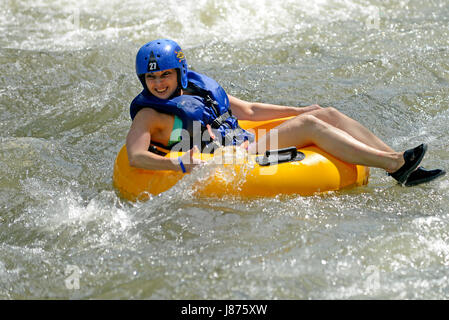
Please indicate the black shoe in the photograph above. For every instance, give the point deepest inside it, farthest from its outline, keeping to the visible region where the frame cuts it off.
(422, 175)
(412, 159)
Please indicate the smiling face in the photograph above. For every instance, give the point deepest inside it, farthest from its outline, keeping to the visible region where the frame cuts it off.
(162, 84)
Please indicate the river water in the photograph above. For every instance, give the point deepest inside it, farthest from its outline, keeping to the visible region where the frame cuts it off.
(66, 81)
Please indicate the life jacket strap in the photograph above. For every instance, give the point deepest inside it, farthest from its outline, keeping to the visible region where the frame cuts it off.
(221, 119)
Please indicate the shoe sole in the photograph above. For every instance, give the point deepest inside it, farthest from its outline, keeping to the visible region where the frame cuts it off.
(414, 183)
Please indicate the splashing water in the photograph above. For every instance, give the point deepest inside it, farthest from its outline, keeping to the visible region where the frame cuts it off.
(67, 78)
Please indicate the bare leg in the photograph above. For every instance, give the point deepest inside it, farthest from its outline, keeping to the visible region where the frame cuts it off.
(361, 133)
(350, 126)
(308, 129)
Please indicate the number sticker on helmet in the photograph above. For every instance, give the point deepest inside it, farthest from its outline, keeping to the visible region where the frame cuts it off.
(152, 66)
(152, 63)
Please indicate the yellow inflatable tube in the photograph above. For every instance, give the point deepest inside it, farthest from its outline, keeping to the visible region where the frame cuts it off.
(317, 172)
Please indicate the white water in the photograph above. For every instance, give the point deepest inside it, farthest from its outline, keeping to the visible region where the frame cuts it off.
(66, 81)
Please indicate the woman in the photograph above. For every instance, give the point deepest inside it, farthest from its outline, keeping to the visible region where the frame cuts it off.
(174, 99)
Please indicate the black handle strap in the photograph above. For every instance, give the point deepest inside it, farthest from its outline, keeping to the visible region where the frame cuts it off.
(289, 150)
(272, 157)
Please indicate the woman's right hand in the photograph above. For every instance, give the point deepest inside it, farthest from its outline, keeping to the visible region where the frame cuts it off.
(189, 161)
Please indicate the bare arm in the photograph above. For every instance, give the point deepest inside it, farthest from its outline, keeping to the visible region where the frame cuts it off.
(138, 139)
(255, 111)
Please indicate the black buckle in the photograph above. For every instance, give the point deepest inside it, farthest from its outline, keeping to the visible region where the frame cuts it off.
(272, 157)
(212, 103)
(220, 120)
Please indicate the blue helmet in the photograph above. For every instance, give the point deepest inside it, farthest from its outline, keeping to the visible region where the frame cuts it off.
(162, 54)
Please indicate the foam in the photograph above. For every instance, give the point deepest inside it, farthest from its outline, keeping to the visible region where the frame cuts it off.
(62, 25)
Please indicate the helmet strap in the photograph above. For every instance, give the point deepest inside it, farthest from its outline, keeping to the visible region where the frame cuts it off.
(178, 71)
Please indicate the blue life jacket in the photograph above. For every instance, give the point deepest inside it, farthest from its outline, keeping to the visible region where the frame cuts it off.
(209, 104)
